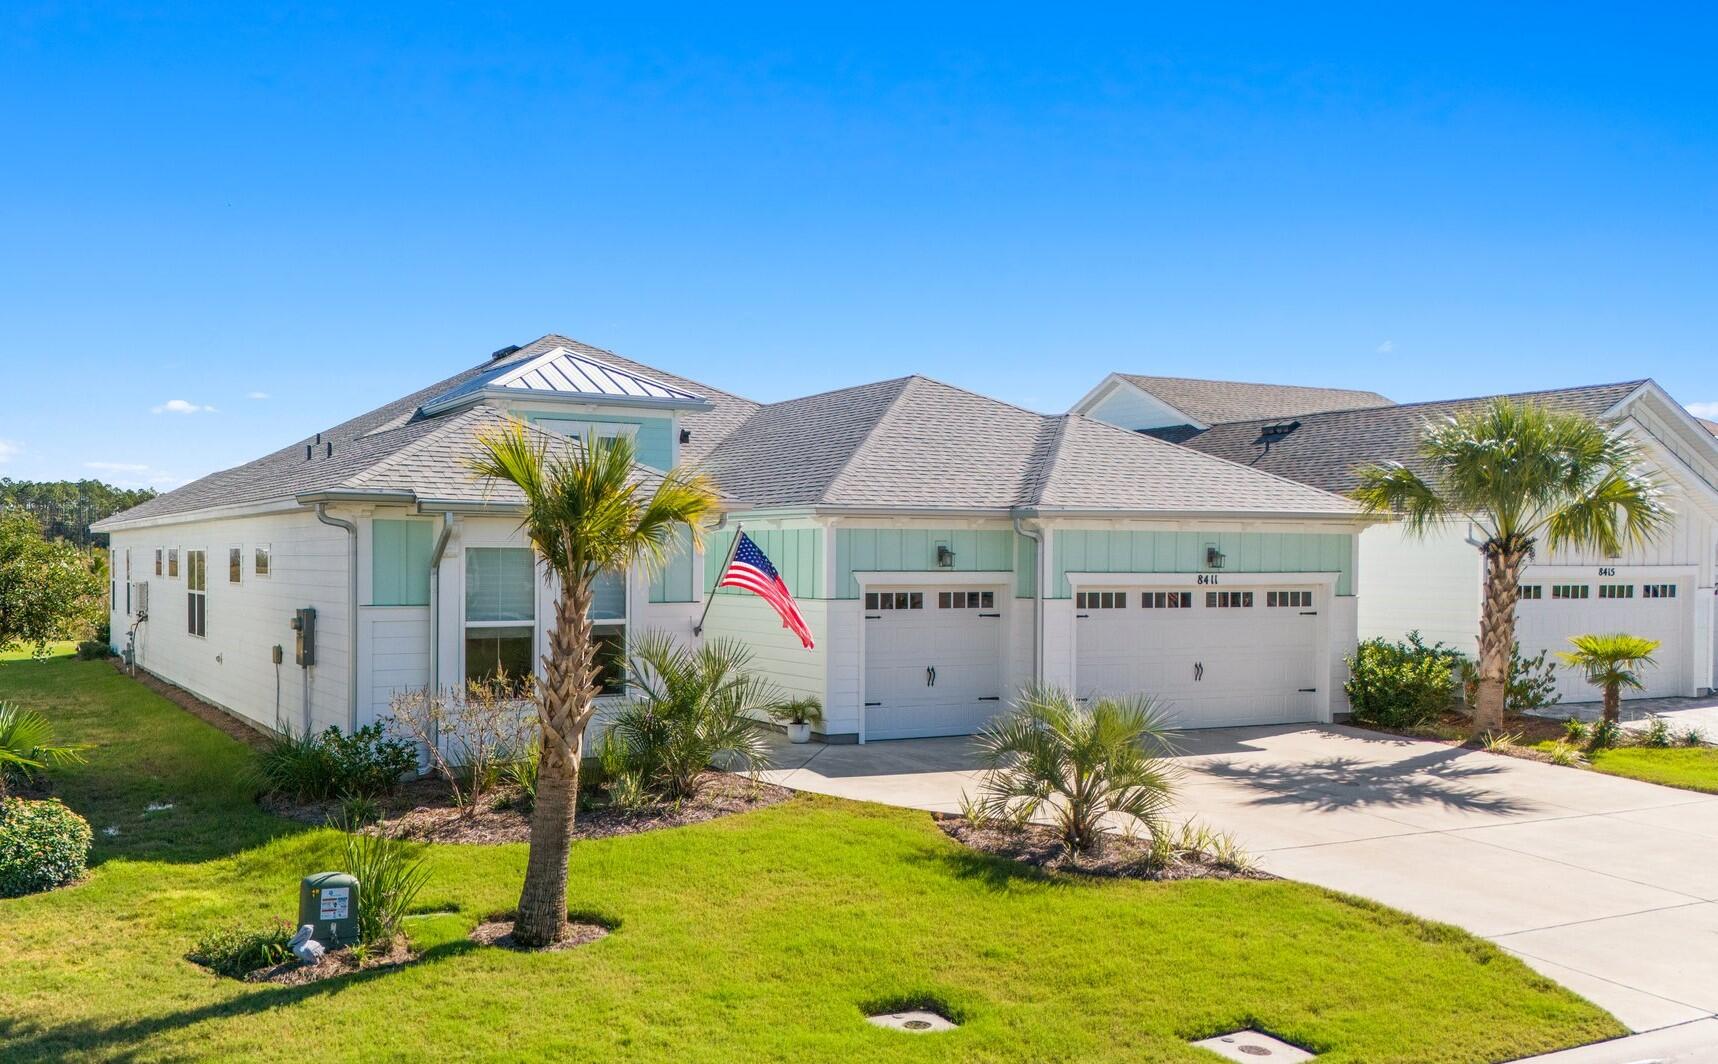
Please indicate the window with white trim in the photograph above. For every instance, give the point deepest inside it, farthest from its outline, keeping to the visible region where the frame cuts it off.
(235, 565)
(172, 563)
(196, 591)
(1290, 599)
(263, 561)
(1571, 591)
(158, 555)
(1229, 600)
(894, 600)
(1100, 600)
(1166, 600)
(1616, 591)
(500, 613)
(966, 600)
(1658, 591)
(1532, 592)
(608, 629)
(128, 581)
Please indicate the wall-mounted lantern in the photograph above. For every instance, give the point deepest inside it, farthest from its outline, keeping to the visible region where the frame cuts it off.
(945, 556)
(1214, 558)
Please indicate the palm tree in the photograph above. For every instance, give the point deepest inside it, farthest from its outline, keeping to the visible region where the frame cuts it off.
(1610, 662)
(27, 745)
(1521, 475)
(1082, 762)
(587, 513)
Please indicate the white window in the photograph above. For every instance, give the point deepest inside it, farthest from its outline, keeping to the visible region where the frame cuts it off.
(587, 430)
(500, 612)
(158, 553)
(196, 591)
(894, 600)
(172, 563)
(1229, 600)
(1532, 591)
(1100, 600)
(1616, 591)
(966, 600)
(1571, 591)
(1659, 591)
(128, 581)
(608, 628)
(261, 566)
(1166, 600)
(235, 565)
(1290, 599)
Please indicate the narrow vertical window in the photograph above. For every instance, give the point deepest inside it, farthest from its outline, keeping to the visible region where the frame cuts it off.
(263, 560)
(196, 592)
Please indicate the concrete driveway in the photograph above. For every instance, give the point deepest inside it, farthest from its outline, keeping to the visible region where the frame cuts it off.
(1606, 885)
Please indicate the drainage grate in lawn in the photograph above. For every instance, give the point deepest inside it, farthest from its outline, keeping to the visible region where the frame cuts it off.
(917, 1021)
(1255, 1046)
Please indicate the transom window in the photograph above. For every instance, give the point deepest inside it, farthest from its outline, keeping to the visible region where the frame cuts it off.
(1229, 600)
(894, 600)
(1100, 600)
(1616, 591)
(966, 600)
(1571, 591)
(1532, 591)
(1291, 599)
(196, 591)
(1658, 591)
(1166, 600)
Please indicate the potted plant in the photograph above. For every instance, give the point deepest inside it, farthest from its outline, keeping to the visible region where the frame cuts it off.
(797, 716)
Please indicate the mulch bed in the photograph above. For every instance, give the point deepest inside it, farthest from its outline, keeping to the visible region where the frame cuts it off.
(1530, 729)
(334, 963)
(424, 811)
(1119, 857)
(500, 933)
(242, 730)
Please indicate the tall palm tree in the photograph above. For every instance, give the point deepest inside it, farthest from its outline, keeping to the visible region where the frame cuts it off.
(1610, 662)
(1522, 475)
(586, 513)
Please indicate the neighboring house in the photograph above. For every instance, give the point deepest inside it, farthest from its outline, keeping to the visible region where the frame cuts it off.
(945, 548)
(1663, 591)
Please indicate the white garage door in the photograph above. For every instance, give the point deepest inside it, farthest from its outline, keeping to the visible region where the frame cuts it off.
(1551, 611)
(1216, 658)
(933, 660)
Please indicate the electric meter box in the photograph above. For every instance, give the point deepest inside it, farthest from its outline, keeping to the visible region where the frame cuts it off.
(328, 901)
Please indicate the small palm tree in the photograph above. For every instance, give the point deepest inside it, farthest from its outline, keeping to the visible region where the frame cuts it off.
(27, 745)
(1080, 762)
(1610, 662)
(587, 512)
(693, 707)
(1520, 475)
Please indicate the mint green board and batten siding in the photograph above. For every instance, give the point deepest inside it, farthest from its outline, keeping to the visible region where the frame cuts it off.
(1077, 551)
(914, 550)
(399, 562)
(654, 440)
(796, 553)
(674, 582)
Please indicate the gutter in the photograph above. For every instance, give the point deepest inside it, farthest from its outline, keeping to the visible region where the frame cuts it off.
(1037, 538)
(447, 522)
(352, 612)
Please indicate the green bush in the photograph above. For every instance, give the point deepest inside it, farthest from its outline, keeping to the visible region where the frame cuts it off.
(237, 951)
(388, 882)
(313, 766)
(42, 845)
(92, 650)
(1401, 685)
(1657, 732)
(1604, 734)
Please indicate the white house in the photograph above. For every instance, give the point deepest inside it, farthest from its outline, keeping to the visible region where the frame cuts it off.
(945, 549)
(1319, 437)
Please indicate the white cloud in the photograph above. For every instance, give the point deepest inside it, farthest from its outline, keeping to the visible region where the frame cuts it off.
(8, 449)
(256, 395)
(1709, 411)
(117, 467)
(1386, 347)
(180, 406)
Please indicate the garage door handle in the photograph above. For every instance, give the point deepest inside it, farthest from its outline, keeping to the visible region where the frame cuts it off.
(990, 615)
(1198, 671)
(990, 698)
(1309, 613)
(930, 676)
(1309, 690)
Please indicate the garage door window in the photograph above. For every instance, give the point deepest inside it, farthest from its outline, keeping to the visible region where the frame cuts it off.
(1532, 591)
(1301, 599)
(894, 600)
(1616, 591)
(1659, 591)
(1570, 591)
(1166, 600)
(1100, 600)
(1229, 600)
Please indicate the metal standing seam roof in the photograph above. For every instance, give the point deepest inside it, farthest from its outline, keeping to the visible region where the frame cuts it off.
(561, 372)
(1323, 450)
(1216, 402)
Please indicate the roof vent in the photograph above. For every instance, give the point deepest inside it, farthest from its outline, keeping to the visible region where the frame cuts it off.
(1278, 430)
(503, 352)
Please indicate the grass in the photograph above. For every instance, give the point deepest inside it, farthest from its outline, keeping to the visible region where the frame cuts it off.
(755, 937)
(1693, 768)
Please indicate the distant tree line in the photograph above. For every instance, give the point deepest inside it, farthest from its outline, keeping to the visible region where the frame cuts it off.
(65, 509)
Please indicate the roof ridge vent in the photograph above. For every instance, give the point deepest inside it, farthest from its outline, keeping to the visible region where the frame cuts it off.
(501, 353)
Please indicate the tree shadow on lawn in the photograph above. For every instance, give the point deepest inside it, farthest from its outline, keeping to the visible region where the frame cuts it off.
(121, 1041)
(1333, 784)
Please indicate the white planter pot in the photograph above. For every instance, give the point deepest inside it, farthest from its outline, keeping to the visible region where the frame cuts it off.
(799, 733)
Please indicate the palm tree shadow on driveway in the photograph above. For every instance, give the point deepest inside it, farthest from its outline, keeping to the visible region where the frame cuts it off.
(1441, 778)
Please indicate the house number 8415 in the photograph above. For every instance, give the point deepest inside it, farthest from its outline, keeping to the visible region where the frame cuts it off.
(1605, 570)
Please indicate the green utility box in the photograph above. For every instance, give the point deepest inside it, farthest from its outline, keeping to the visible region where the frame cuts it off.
(328, 901)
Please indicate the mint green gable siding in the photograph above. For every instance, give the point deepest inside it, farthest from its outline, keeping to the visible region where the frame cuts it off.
(1184, 552)
(674, 582)
(914, 550)
(796, 553)
(399, 562)
(655, 439)
(1025, 567)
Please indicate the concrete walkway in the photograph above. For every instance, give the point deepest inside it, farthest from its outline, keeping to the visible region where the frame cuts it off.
(1606, 885)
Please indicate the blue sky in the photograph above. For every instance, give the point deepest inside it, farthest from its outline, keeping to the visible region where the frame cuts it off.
(330, 209)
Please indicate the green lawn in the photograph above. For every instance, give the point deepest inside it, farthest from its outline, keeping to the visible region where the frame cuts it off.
(753, 938)
(1693, 768)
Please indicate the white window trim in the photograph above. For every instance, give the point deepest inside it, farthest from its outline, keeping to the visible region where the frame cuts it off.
(185, 565)
(240, 547)
(266, 549)
(175, 563)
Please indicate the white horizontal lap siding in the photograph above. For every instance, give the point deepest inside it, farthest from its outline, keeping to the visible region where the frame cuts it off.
(776, 652)
(1430, 585)
(230, 665)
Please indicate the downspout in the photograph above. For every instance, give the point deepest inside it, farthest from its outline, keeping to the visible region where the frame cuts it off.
(435, 602)
(1037, 539)
(352, 612)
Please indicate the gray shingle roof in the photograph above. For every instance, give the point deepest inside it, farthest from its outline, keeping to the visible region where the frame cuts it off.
(1216, 402)
(1326, 448)
(918, 443)
(369, 439)
(1711, 426)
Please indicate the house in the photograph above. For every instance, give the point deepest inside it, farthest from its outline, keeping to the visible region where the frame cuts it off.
(945, 548)
(1663, 591)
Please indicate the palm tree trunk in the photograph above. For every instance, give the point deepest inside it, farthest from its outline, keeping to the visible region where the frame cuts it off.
(1613, 702)
(564, 709)
(1497, 635)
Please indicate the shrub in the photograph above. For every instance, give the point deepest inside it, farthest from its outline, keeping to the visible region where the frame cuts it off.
(471, 735)
(798, 711)
(314, 766)
(1575, 730)
(521, 772)
(1564, 754)
(43, 845)
(1401, 685)
(237, 951)
(388, 882)
(694, 707)
(27, 746)
(1079, 762)
(1532, 682)
(1604, 734)
(1691, 736)
(1656, 732)
(92, 650)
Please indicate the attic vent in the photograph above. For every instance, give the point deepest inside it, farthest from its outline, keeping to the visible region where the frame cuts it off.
(503, 352)
(1279, 430)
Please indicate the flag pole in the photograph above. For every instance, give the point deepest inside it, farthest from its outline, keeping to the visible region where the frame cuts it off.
(710, 600)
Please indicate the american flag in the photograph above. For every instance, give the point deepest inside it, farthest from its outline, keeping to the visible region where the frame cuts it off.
(751, 570)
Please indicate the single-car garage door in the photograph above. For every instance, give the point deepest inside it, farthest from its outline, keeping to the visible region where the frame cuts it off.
(1552, 610)
(933, 660)
(1213, 657)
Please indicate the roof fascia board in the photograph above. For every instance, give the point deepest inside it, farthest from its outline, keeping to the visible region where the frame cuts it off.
(1053, 512)
(505, 395)
(207, 513)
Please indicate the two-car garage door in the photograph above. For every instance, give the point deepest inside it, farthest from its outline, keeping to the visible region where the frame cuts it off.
(1215, 657)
